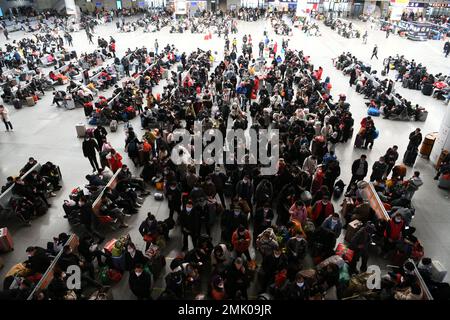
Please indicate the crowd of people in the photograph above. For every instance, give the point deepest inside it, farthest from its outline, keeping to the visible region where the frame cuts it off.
(383, 98)
(415, 76)
(30, 193)
(278, 232)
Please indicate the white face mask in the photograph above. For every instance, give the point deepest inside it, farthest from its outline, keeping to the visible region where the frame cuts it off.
(300, 284)
(236, 213)
(266, 210)
(131, 250)
(138, 273)
(398, 220)
(188, 209)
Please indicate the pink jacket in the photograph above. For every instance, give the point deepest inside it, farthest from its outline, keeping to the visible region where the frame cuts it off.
(298, 214)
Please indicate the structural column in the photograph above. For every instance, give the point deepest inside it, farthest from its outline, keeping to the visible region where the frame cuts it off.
(443, 140)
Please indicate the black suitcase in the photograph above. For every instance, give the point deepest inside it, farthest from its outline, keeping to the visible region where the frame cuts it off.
(427, 89)
(410, 157)
(383, 73)
(17, 104)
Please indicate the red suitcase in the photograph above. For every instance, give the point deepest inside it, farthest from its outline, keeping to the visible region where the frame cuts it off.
(6, 241)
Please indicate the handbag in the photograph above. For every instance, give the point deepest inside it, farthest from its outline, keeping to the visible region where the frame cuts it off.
(343, 251)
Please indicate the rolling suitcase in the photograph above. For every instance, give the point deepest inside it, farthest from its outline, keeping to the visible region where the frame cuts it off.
(81, 130)
(6, 241)
(444, 181)
(427, 89)
(359, 141)
(410, 157)
(30, 101)
(17, 104)
(70, 104)
(423, 116)
(113, 125)
(438, 271)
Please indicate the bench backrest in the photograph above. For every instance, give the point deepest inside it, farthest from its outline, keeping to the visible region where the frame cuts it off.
(48, 275)
(111, 184)
(369, 193)
(6, 196)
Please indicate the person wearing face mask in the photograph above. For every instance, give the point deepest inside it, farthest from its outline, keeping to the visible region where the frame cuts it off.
(334, 224)
(134, 257)
(321, 210)
(236, 279)
(220, 258)
(378, 169)
(241, 240)
(360, 246)
(190, 223)
(244, 190)
(359, 170)
(298, 212)
(262, 220)
(149, 230)
(271, 265)
(394, 232)
(414, 183)
(88, 219)
(38, 260)
(173, 195)
(231, 220)
(140, 283)
(298, 290)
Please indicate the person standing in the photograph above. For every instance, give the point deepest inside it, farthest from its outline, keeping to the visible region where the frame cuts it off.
(415, 138)
(390, 157)
(189, 222)
(140, 283)
(5, 117)
(156, 46)
(374, 52)
(360, 246)
(353, 77)
(6, 33)
(447, 48)
(414, 183)
(89, 35)
(365, 38)
(90, 148)
(359, 170)
(379, 168)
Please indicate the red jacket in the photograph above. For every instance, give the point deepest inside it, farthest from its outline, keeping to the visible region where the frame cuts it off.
(394, 230)
(241, 244)
(317, 209)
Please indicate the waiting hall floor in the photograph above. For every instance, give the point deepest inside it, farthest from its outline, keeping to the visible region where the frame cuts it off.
(48, 133)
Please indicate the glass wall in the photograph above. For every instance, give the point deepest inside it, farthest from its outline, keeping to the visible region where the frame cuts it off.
(252, 3)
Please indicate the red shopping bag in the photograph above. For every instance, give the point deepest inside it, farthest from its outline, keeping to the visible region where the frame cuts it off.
(344, 252)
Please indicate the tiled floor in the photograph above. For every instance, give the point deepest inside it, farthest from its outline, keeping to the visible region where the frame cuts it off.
(48, 133)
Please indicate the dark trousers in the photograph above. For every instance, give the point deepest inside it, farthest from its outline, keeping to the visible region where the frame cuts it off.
(364, 255)
(185, 240)
(222, 199)
(374, 55)
(94, 163)
(8, 125)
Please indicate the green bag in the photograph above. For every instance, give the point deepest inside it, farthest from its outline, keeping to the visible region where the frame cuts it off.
(103, 276)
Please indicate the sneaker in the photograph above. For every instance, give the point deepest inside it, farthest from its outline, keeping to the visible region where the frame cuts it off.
(127, 215)
(137, 205)
(52, 194)
(123, 226)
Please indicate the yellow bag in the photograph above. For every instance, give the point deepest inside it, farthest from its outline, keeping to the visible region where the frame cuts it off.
(18, 270)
